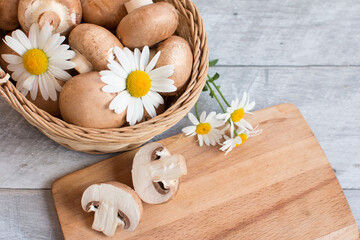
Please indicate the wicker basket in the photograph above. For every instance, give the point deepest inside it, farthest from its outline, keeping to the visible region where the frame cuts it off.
(97, 141)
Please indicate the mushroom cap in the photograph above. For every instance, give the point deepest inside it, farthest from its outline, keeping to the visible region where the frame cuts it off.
(69, 12)
(148, 25)
(8, 15)
(105, 13)
(141, 178)
(95, 43)
(176, 51)
(83, 103)
(122, 198)
(49, 106)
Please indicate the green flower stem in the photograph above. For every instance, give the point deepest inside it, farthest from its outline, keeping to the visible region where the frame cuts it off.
(196, 111)
(222, 96)
(217, 99)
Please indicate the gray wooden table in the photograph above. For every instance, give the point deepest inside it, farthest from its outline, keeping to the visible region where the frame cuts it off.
(306, 52)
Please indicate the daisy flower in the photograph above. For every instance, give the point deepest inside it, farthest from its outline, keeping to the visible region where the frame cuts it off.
(41, 59)
(137, 83)
(234, 141)
(237, 111)
(205, 129)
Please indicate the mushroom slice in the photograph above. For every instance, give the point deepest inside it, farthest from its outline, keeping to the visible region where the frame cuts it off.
(156, 173)
(63, 15)
(114, 204)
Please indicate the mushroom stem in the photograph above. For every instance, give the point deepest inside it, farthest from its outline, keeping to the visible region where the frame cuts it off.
(106, 219)
(51, 17)
(82, 64)
(134, 4)
(168, 169)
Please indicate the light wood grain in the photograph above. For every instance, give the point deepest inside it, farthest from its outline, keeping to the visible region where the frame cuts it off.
(278, 186)
(275, 32)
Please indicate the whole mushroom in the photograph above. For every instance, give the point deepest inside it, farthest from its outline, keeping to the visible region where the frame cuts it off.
(147, 23)
(93, 46)
(105, 13)
(8, 15)
(176, 51)
(114, 204)
(156, 173)
(63, 15)
(83, 103)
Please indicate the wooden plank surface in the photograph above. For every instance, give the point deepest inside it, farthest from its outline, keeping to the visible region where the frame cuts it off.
(277, 186)
(257, 34)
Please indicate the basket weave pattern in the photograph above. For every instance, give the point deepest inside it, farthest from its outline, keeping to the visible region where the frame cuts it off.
(97, 141)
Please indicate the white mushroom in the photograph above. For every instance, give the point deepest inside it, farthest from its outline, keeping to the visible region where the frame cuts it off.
(156, 173)
(63, 15)
(114, 204)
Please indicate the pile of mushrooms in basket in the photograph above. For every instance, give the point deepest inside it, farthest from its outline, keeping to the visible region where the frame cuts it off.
(95, 63)
(102, 64)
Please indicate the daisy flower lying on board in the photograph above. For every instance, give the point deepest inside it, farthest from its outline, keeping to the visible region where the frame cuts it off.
(137, 83)
(41, 59)
(205, 128)
(209, 130)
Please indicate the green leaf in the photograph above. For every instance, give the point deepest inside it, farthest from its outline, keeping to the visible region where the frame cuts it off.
(216, 77)
(205, 88)
(213, 62)
(211, 94)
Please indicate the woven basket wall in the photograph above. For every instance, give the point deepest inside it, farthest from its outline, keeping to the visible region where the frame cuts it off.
(97, 141)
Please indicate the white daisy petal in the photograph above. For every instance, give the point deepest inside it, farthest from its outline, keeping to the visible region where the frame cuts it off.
(243, 101)
(153, 62)
(250, 106)
(144, 59)
(112, 89)
(203, 117)
(164, 88)
(189, 130)
(45, 34)
(193, 119)
(43, 90)
(15, 45)
(114, 81)
(117, 69)
(120, 102)
(131, 59)
(210, 116)
(200, 138)
(130, 112)
(22, 38)
(34, 89)
(124, 61)
(137, 56)
(11, 58)
(33, 35)
(149, 107)
(14, 67)
(140, 109)
(57, 51)
(51, 43)
(59, 73)
(63, 64)
(156, 97)
(162, 72)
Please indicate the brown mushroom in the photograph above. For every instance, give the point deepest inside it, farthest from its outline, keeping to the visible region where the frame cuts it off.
(93, 46)
(105, 13)
(156, 173)
(147, 23)
(83, 103)
(176, 51)
(8, 15)
(63, 15)
(114, 204)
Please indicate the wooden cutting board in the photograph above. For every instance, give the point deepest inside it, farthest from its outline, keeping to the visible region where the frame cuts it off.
(278, 185)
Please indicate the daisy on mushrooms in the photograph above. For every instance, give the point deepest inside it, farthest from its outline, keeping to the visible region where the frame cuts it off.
(206, 129)
(137, 83)
(41, 59)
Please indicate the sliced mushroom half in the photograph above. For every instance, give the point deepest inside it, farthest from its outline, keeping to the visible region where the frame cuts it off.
(156, 173)
(114, 204)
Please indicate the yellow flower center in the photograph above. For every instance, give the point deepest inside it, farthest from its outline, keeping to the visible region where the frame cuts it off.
(237, 115)
(243, 137)
(203, 128)
(35, 61)
(138, 83)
